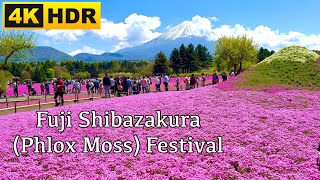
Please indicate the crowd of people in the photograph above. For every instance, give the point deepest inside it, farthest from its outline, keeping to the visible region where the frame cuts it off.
(115, 86)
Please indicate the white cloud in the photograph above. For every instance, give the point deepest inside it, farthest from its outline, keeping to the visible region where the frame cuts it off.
(214, 19)
(135, 30)
(202, 26)
(86, 49)
(262, 35)
(267, 37)
(63, 35)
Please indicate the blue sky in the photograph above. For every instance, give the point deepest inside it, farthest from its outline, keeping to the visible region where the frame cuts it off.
(128, 23)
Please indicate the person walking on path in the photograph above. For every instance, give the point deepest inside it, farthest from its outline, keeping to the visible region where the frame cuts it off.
(46, 85)
(125, 85)
(144, 85)
(224, 76)
(96, 85)
(15, 88)
(178, 84)
(158, 84)
(187, 82)
(231, 75)
(59, 92)
(129, 84)
(203, 80)
(135, 87)
(119, 87)
(193, 81)
(29, 86)
(198, 81)
(42, 88)
(166, 82)
(106, 85)
(215, 78)
(76, 87)
(112, 85)
(149, 82)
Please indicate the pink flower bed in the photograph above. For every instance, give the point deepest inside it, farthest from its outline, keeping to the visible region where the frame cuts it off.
(265, 136)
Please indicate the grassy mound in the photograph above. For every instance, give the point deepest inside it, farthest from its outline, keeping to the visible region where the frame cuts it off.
(291, 67)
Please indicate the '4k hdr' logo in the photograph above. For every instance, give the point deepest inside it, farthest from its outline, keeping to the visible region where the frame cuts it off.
(51, 15)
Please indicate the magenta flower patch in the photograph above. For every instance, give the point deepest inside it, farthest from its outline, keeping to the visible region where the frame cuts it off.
(265, 136)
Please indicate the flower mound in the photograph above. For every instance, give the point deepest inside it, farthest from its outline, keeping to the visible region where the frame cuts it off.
(293, 53)
(265, 136)
(292, 67)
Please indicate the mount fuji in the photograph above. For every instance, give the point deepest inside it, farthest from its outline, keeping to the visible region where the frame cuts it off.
(183, 33)
(166, 42)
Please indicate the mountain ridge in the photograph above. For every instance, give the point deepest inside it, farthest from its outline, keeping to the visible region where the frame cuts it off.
(183, 33)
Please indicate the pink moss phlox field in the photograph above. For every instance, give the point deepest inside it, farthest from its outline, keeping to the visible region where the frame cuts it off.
(265, 136)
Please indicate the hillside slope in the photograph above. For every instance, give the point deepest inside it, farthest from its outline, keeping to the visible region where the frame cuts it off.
(291, 67)
(43, 53)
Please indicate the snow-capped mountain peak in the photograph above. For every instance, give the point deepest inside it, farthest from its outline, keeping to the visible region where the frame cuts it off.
(184, 29)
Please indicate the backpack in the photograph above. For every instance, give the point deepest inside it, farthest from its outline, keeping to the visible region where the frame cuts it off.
(120, 88)
(134, 88)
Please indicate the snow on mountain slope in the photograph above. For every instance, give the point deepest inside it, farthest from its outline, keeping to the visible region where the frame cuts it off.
(185, 33)
(186, 29)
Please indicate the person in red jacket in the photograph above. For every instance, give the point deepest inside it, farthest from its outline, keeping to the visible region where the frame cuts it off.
(59, 92)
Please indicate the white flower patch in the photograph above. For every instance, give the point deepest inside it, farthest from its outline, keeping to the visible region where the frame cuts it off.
(293, 53)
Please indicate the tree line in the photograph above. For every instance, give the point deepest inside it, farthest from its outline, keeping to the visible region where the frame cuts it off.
(183, 60)
(189, 59)
(46, 70)
(231, 54)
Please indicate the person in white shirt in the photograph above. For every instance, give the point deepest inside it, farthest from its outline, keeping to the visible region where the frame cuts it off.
(166, 82)
(231, 74)
(112, 85)
(158, 83)
(187, 82)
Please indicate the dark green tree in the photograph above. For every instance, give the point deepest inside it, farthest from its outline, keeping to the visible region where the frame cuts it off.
(161, 64)
(264, 53)
(39, 74)
(192, 59)
(205, 59)
(183, 58)
(175, 60)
